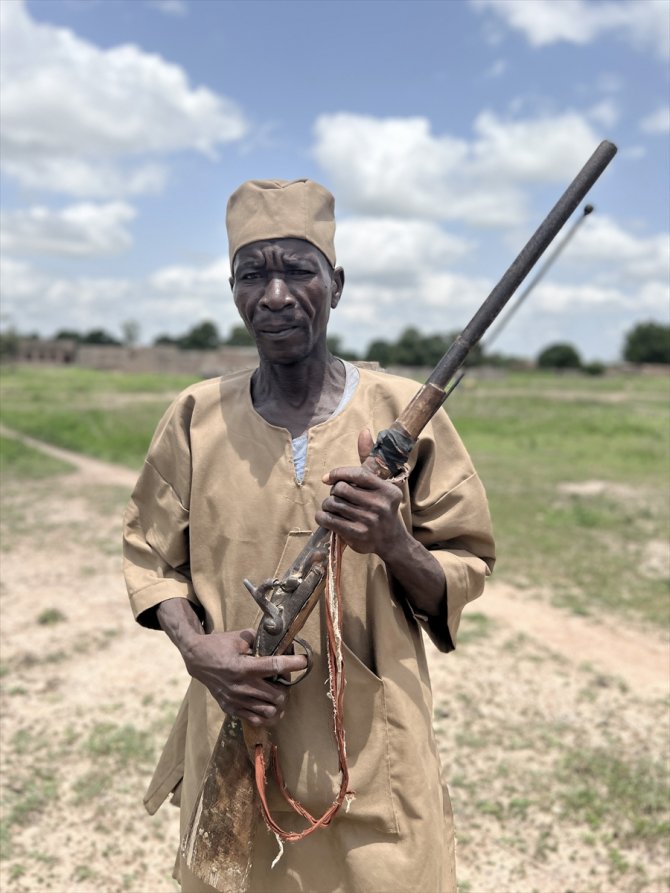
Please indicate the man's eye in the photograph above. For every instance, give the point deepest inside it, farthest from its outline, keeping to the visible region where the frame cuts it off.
(245, 277)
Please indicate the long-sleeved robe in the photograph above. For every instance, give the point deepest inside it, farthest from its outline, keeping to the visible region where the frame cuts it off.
(217, 501)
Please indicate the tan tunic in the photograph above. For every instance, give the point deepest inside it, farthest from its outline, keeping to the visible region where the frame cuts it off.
(218, 501)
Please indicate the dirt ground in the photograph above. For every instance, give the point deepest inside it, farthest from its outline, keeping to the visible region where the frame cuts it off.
(532, 705)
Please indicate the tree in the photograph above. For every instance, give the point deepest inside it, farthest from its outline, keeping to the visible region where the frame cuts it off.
(414, 349)
(240, 337)
(99, 336)
(409, 348)
(381, 352)
(131, 332)
(204, 336)
(67, 335)
(9, 343)
(336, 347)
(475, 355)
(559, 356)
(647, 342)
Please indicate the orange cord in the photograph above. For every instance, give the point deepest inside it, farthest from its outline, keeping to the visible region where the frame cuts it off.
(336, 693)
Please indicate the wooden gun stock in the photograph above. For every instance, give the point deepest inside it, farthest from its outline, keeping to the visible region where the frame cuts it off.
(217, 846)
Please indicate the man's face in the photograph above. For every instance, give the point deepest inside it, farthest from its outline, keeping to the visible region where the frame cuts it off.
(284, 290)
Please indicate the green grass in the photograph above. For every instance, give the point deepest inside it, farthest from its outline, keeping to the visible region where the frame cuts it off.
(50, 617)
(124, 744)
(120, 434)
(53, 383)
(107, 415)
(24, 463)
(589, 549)
(72, 767)
(474, 626)
(596, 784)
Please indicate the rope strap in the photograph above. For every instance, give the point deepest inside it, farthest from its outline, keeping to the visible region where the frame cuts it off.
(336, 683)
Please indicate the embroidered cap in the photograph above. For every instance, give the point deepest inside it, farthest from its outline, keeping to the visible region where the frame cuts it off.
(281, 209)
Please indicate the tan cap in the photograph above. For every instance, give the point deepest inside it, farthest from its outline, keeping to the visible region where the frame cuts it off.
(281, 209)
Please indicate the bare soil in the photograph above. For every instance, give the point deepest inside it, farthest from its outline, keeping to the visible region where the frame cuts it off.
(88, 698)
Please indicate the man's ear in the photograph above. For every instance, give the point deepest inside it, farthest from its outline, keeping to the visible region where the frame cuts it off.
(336, 287)
(231, 282)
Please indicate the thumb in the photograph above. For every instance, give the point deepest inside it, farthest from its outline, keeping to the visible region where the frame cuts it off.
(365, 444)
(245, 643)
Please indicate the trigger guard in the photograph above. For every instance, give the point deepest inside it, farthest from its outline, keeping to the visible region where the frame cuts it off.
(308, 654)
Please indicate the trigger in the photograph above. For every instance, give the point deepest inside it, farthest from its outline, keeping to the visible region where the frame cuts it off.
(308, 654)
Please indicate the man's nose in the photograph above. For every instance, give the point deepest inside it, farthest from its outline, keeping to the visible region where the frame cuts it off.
(277, 293)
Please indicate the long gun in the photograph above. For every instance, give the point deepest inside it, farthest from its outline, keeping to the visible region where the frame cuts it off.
(218, 843)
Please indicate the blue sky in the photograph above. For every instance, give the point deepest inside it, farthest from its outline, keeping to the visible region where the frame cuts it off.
(446, 131)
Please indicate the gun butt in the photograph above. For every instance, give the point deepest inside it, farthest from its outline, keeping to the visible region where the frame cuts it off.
(218, 843)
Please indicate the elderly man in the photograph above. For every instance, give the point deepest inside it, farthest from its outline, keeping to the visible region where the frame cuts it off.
(239, 471)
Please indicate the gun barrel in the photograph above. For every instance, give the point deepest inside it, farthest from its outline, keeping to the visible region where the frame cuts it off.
(522, 265)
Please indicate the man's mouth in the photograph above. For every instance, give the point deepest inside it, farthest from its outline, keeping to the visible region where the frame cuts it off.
(277, 331)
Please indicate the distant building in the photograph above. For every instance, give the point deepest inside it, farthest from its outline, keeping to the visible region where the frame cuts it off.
(36, 350)
(162, 358)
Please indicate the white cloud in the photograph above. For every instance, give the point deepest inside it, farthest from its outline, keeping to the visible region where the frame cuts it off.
(86, 178)
(35, 300)
(541, 150)
(552, 297)
(621, 257)
(210, 280)
(72, 111)
(643, 23)
(386, 249)
(657, 122)
(397, 167)
(78, 230)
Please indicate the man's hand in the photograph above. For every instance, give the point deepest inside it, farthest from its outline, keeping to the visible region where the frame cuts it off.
(362, 508)
(224, 662)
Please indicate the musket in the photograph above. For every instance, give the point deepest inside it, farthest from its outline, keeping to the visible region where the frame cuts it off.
(218, 844)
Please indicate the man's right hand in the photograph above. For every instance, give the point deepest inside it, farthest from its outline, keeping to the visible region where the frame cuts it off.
(225, 664)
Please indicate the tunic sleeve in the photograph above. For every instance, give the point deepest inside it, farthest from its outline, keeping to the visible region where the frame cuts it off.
(450, 517)
(156, 522)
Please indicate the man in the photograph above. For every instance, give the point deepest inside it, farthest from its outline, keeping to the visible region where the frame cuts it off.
(240, 470)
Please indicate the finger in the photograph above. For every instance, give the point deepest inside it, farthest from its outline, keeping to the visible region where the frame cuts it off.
(276, 665)
(249, 636)
(356, 475)
(254, 719)
(256, 714)
(365, 444)
(366, 499)
(261, 693)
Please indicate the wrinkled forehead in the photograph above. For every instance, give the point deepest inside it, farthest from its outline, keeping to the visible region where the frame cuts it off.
(270, 252)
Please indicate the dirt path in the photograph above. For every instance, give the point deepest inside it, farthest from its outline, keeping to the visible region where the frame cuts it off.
(533, 705)
(640, 659)
(89, 470)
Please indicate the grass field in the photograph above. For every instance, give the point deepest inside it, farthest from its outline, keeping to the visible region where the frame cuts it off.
(576, 467)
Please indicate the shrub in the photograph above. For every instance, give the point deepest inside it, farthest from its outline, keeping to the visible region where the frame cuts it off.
(559, 356)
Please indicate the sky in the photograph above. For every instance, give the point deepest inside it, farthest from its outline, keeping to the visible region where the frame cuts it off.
(445, 129)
